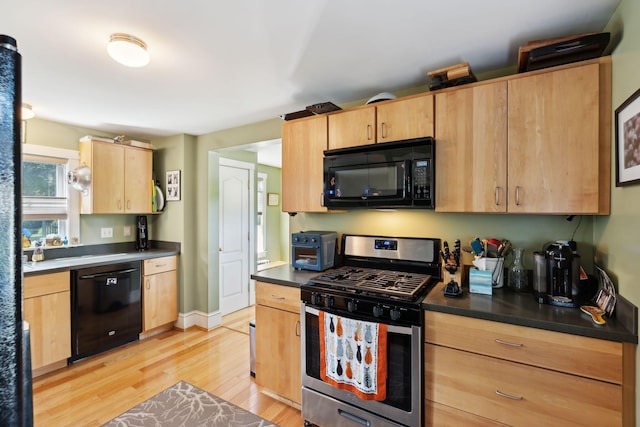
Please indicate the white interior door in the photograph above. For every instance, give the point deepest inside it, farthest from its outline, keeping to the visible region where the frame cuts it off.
(234, 238)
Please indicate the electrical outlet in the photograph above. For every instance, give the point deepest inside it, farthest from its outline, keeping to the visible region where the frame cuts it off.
(127, 230)
(106, 232)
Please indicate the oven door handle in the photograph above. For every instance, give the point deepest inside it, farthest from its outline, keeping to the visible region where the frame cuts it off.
(354, 418)
(405, 330)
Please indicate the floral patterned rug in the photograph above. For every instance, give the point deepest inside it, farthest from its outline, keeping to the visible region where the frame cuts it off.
(186, 405)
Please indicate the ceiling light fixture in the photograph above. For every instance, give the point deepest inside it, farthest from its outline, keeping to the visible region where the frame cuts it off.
(128, 50)
(27, 111)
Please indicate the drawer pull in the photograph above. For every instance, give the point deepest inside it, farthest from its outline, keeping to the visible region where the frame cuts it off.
(276, 297)
(511, 344)
(160, 265)
(508, 396)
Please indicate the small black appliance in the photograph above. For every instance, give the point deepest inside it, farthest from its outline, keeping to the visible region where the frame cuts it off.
(314, 250)
(142, 233)
(563, 275)
(398, 174)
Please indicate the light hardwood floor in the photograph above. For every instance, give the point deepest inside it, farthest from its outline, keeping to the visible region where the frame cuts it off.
(94, 390)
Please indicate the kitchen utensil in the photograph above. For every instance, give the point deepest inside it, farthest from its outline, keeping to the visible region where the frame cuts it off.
(595, 313)
(476, 246)
(492, 247)
(159, 199)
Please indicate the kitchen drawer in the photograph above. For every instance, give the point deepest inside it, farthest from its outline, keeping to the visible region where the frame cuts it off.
(44, 284)
(159, 265)
(589, 357)
(438, 415)
(278, 296)
(474, 383)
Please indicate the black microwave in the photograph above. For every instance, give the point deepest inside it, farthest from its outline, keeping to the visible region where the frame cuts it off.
(397, 174)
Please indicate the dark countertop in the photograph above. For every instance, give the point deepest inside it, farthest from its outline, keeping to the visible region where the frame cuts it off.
(503, 306)
(284, 275)
(521, 309)
(72, 258)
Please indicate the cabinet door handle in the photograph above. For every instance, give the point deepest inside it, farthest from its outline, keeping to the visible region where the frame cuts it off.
(497, 196)
(517, 195)
(508, 396)
(128, 204)
(148, 284)
(276, 297)
(322, 199)
(383, 129)
(297, 328)
(119, 204)
(369, 132)
(510, 344)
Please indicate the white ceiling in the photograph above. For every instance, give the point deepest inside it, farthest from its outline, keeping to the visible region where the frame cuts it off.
(219, 64)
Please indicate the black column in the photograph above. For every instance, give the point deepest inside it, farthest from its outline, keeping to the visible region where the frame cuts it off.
(14, 380)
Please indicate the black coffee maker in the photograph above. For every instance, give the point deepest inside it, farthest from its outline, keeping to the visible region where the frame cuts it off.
(563, 274)
(142, 233)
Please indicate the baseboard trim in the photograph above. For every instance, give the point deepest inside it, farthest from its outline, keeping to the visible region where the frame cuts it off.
(200, 319)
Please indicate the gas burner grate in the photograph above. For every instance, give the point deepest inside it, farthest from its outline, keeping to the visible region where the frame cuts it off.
(374, 281)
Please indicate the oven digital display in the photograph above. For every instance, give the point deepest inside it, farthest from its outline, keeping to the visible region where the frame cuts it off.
(387, 245)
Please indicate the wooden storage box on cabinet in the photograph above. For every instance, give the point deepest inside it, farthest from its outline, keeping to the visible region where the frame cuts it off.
(278, 333)
(492, 372)
(159, 293)
(303, 144)
(120, 178)
(387, 121)
(47, 308)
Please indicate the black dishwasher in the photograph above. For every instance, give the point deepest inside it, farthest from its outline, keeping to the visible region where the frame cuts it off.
(106, 307)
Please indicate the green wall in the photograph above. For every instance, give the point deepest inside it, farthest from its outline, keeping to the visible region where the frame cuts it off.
(277, 222)
(617, 237)
(177, 222)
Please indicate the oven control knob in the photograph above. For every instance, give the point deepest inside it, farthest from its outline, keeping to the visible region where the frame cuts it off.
(377, 310)
(394, 313)
(328, 302)
(315, 299)
(352, 306)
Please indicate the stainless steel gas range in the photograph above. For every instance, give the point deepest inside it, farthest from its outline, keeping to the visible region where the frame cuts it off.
(362, 333)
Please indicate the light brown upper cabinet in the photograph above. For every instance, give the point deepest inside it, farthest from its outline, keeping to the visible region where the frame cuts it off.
(396, 120)
(532, 143)
(559, 141)
(120, 178)
(471, 149)
(303, 143)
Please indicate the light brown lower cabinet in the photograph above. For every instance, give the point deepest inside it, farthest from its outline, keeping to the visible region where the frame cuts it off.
(278, 341)
(485, 373)
(47, 308)
(159, 293)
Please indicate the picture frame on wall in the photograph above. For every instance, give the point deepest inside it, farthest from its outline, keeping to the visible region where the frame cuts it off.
(273, 199)
(627, 118)
(173, 185)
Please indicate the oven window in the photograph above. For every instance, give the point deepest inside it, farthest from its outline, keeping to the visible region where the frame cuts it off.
(305, 256)
(398, 361)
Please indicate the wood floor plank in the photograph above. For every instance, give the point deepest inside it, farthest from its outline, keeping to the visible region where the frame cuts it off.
(96, 389)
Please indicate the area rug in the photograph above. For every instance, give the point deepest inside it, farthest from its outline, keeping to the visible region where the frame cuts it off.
(186, 405)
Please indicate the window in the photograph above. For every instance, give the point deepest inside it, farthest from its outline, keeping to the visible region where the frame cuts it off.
(48, 206)
(261, 235)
